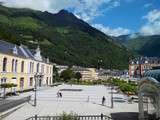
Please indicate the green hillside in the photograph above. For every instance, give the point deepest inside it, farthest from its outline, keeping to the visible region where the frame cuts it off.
(143, 45)
(63, 37)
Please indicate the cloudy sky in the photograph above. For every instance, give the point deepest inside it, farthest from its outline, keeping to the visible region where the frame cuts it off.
(113, 17)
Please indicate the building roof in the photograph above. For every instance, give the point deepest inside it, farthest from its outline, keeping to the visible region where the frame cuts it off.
(153, 73)
(21, 51)
(143, 60)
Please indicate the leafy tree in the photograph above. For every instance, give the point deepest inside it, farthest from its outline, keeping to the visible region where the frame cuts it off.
(67, 74)
(56, 76)
(78, 76)
(5, 86)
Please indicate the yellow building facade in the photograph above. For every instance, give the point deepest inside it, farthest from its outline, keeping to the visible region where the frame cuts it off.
(87, 73)
(19, 66)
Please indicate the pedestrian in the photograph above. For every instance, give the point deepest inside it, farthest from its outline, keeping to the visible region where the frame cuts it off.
(103, 100)
(88, 99)
(60, 94)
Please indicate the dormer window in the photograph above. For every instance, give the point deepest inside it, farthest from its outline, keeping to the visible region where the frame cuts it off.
(137, 62)
(37, 55)
(15, 51)
(146, 61)
(47, 60)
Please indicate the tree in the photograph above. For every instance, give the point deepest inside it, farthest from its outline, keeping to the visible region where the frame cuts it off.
(56, 76)
(12, 85)
(67, 74)
(5, 86)
(78, 76)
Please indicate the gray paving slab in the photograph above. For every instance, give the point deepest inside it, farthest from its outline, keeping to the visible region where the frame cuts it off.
(85, 102)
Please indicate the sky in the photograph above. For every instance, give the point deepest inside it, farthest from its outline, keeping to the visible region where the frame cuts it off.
(113, 17)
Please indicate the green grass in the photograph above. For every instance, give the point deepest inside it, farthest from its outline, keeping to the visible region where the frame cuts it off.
(25, 22)
(4, 19)
(22, 22)
(63, 30)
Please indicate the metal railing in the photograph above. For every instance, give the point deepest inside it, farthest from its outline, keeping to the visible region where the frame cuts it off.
(85, 117)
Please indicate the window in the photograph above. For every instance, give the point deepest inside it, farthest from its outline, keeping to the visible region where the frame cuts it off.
(47, 69)
(37, 67)
(3, 80)
(4, 65)
(30, 67)
(33, 67)
(31, 82)
(42, 68)
(14, 80)
(16, 64)
(50, 81)
(50, 70)
(13, 65)
(47, 81)
(22, 66)
(21, 83)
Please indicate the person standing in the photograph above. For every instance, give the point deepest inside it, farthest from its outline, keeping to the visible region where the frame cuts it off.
(103, 100)
(88, 99)
(60, 94)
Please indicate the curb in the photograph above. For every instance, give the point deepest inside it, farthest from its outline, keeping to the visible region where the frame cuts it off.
(10, 111)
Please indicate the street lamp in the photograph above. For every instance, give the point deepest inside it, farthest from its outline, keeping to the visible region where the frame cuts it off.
(99, 64)
(112, 105)
(37, 76)
(140, 73)
(112, 96)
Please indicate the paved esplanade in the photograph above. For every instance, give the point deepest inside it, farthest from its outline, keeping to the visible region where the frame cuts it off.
(85, 102)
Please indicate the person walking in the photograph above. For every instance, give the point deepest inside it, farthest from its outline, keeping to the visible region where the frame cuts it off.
(60, 95)
(88, 99)
(103, 100)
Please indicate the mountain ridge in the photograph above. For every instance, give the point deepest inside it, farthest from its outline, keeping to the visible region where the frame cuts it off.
(142, 45)
(62, 36)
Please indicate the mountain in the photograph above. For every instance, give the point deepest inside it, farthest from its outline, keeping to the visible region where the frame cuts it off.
(143, 45)
(63, 37)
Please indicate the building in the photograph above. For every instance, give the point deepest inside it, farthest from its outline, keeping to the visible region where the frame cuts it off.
(87, 73)
(138, 66)
(149, 95)
(61, 68)
(19, 65)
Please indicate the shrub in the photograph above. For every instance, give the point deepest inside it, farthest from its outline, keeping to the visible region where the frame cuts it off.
(70, 116)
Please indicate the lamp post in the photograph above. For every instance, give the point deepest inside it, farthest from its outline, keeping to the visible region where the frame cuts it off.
(37, 76)
(112, 105)
(35, 89)
(99, 63)
(140, 73)
(112, 96)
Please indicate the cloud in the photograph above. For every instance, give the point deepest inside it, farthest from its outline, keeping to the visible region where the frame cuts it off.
(147, 5)
(112, 32)
(152, 27)
(85, 9)
(153, 15)
(129, 1)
